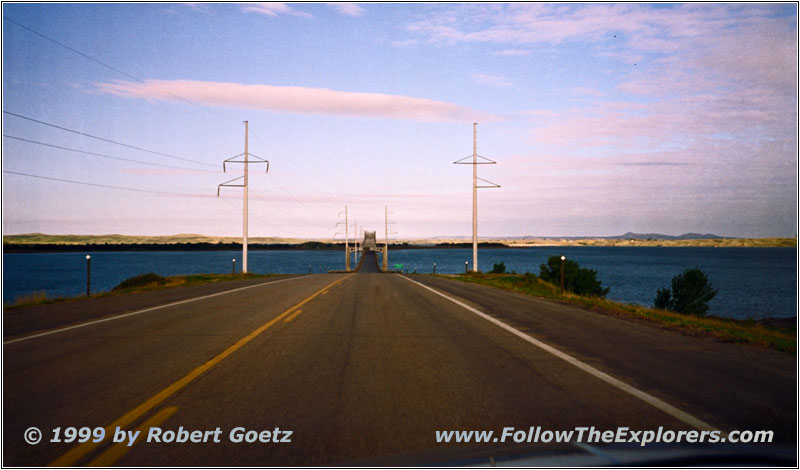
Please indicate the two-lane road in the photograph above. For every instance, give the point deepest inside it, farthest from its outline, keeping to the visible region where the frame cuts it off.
(369, 366)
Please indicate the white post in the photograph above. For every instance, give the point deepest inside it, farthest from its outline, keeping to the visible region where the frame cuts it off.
(475, 197)
(244, 231)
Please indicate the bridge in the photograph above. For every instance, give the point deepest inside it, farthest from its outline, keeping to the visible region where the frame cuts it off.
(360, 368)
(368, 250)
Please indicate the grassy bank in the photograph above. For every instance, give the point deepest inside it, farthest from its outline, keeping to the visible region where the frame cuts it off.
(137, 284)
(731, 330)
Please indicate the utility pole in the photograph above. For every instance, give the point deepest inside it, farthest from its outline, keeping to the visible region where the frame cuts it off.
(386, 238)
(474, 196)
(244, 215)
(355, 242)
(346, 247)
(244, 179)
(346, 239)
(475, 186)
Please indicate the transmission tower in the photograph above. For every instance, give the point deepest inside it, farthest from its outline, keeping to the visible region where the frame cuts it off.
(475, 162)
(386, 238)
(246, 163)
(346, 239)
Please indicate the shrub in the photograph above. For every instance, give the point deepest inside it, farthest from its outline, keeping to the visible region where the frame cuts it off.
(663, 296)
(690, 293)
(498, 268)
(141, 281)
(582, 281)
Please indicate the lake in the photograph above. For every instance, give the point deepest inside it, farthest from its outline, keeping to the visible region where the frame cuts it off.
(752, 282)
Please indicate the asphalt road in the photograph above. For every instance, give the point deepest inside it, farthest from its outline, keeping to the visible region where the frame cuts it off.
(368, 263)
(364, 368)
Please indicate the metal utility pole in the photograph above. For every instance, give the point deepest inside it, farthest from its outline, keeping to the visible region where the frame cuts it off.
(346, 244)
(244, 214)
(386, 239)
(246, 162)
(355, 242)
(474, 196)
(346, 239)
(489, 184)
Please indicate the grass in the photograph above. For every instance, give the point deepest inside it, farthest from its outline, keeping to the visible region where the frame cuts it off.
(32, 298)
(724, 329)
(141, 283)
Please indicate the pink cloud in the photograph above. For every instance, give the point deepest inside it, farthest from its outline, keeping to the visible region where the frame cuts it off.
(493, 80)
(293, 99)
(513, 53)
(349, 9)
(273, 9)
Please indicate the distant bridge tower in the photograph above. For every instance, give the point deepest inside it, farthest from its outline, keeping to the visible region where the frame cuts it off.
(370, 241)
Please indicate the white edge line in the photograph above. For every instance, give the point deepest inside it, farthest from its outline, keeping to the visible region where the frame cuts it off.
(137, 312)
(644, 396)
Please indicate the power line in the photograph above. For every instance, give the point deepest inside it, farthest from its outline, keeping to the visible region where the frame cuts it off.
(105, 140)
(164, 193)
(104, 155)
(310, 224)
(292, 169)
(269, 224)
(88, 57)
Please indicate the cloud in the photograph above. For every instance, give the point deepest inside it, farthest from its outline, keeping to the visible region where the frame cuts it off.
(513, 52)
(405, 42)
(491, 80)
(349, 9)
(294, 99)
(653, 163)
(273, 9)
(585, 91)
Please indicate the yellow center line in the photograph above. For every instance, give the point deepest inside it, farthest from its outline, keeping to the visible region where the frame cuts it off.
(78, 452)
(291, 317)
(109, 457)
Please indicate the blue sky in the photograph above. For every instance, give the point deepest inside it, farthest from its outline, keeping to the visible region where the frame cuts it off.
(603, 118)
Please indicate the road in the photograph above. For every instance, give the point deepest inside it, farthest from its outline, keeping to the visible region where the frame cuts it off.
(364, 368)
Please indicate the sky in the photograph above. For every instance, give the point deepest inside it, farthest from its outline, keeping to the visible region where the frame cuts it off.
(602, 118)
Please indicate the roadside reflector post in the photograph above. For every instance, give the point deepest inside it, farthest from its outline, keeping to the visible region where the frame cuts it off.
(563, 258)
(466, 267)
(88, 275)
(233, 269)
(434, 268)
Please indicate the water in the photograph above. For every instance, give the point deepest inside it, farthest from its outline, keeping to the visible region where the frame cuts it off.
(752, 282)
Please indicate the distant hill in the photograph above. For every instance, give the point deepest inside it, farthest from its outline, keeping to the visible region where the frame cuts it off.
(33, 242)
(660, 236)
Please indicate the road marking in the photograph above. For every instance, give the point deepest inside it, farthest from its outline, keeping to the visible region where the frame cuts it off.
(137, 312)
(644, 396)
(112, 455)
(78, 452)
(296, 313)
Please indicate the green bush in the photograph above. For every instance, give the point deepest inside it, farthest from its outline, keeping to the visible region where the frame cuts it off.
(498, 268)
(141, 281)
(663, 296)
(582, 281)
(690, 293)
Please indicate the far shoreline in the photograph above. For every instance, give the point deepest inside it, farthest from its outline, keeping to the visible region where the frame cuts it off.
(59, 246)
